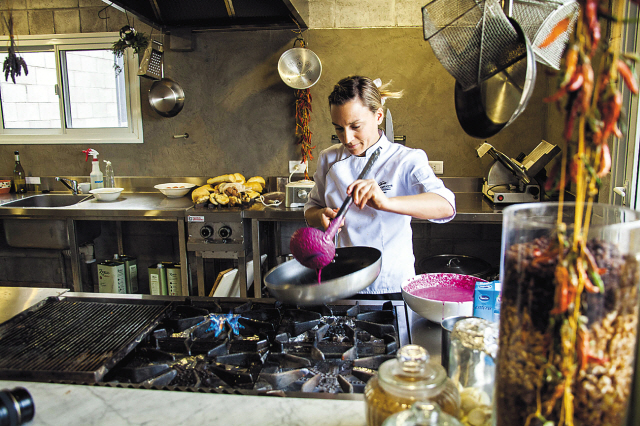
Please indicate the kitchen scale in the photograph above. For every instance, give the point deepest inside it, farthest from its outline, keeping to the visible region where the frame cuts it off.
(513, 181)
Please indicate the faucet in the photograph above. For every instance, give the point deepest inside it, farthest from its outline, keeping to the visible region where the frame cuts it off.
(69, 183)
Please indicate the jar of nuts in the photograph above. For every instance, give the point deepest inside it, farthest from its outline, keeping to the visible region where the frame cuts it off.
(405, 380)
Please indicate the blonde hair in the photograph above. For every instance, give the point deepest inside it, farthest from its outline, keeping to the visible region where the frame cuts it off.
(364, 89)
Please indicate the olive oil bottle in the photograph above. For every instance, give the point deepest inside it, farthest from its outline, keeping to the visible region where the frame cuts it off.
(19, 182)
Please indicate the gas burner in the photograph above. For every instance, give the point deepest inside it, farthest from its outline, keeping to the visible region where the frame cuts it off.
(264, 348)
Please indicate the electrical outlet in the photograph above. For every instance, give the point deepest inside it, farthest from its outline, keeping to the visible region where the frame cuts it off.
(295, 166)
(437, 166)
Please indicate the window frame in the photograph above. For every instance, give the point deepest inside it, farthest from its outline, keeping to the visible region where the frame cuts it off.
(68, 42)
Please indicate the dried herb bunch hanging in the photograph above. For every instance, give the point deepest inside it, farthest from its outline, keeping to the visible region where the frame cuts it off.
(570, 277)
(303, 115)
(13, 64)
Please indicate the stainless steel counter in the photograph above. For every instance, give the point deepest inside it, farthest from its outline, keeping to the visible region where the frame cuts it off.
(129, 206)
(14, 300)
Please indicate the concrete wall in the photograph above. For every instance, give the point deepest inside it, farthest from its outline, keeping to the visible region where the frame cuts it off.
(240, 115)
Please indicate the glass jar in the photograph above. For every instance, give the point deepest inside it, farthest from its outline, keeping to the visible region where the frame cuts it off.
(474, 346)
(403, 381)
(569, 314)
(422, 414)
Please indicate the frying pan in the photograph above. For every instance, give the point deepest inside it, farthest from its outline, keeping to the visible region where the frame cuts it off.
(166, 97)
(354, 269)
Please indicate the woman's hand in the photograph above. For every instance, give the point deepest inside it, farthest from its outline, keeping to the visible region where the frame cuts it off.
(322, 216)
(367, 192)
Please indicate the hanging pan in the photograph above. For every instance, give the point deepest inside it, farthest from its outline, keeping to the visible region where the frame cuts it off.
(166, 97)
(493, 104)
(299, 67)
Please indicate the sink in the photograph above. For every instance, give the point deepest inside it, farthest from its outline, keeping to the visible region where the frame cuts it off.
(47, 200)
(47, 233)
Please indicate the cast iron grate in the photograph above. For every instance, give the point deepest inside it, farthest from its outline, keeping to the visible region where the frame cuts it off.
(74, 340)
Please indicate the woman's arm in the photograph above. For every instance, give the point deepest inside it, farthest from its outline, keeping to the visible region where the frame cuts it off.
(421, 206)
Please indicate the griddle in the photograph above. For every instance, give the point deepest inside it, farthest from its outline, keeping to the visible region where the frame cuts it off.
(74, 340)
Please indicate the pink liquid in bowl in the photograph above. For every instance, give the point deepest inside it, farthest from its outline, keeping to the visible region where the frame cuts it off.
(443, 287)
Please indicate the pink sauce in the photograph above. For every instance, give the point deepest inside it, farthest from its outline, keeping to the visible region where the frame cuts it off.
(444, 294)
(443, 287)
(319, 274)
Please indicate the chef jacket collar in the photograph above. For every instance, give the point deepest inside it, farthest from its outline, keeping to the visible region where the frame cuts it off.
(382, 142)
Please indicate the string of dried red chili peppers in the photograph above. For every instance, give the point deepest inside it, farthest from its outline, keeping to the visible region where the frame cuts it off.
(303, 115)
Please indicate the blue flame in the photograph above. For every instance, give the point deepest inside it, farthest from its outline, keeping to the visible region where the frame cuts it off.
(219, 321)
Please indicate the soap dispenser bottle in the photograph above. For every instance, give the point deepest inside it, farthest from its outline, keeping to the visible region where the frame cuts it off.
(97, 180)
(109, 178)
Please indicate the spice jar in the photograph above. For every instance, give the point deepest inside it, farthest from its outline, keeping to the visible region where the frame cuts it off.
(422, 414)
(405, 380)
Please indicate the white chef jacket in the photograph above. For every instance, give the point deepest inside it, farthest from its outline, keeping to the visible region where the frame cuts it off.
(399, 171)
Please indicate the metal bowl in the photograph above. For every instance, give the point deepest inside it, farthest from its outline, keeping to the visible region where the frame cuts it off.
(299, 68)
(354, 269)
(166, 97)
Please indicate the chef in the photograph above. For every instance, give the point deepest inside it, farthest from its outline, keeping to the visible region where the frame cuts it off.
(402, 185)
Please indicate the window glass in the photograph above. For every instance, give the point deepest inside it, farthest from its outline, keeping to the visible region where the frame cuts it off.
(32, 102)
(97, 96)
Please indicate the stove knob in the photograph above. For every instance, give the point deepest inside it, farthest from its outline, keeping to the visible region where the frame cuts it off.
(302, 194)
(224, 232)
(206, 231)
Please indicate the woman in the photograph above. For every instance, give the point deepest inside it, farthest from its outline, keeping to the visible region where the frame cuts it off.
(401, 184)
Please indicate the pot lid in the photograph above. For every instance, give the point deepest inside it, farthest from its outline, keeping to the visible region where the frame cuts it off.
(453, 264)
(411, 374)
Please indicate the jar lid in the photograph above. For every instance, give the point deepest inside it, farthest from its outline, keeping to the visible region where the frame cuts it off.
(411, 374)
(422, 414)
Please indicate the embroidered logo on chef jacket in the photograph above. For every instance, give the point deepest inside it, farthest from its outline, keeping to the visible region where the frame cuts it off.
(384, 186)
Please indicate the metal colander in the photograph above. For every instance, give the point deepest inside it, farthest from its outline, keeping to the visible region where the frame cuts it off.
(538, 18)
(472, 39)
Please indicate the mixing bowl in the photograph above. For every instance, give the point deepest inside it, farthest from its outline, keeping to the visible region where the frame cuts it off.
(440, 295)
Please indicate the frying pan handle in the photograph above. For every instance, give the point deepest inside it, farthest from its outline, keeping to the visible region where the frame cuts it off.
(367, 167)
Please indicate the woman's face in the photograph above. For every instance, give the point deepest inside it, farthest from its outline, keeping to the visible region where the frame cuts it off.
(356, 126)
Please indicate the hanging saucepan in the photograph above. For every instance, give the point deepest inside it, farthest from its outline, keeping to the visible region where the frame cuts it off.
(496, 102)
(299, 67)
(353, 270)
(166, 97)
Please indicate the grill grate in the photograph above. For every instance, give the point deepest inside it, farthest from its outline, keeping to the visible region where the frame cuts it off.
(74, 340)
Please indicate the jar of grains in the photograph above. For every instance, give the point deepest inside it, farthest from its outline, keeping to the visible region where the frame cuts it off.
(403, 381)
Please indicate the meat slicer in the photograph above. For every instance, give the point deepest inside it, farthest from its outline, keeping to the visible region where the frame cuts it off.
(513, 181)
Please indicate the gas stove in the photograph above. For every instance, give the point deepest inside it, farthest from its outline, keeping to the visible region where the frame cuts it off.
(265, 348)
(237, 345)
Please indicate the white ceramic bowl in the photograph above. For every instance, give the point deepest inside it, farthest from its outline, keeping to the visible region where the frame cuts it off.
(440, 295)
(106, 194)
(174, 190)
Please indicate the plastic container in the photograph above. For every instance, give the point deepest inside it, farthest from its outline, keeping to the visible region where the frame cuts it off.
(96, 176)
(403, 381)
(555, 330)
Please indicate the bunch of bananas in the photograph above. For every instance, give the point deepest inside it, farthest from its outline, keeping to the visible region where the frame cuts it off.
(232, 190)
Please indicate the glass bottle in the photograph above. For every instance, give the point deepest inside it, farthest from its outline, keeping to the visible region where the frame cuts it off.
(405, 380)
(19, 182)
(109, 178)
(569, 314)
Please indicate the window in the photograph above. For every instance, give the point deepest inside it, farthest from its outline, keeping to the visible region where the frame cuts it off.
(72, 94)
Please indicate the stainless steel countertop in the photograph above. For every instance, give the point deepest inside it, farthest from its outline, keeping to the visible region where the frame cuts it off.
(14, 300)
(470, 207)
(133, 205)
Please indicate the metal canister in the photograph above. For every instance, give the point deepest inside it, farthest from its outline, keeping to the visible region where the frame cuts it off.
(174, 279)
(403, 381)
(111, 278)
(158, 280)
(130, 271)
